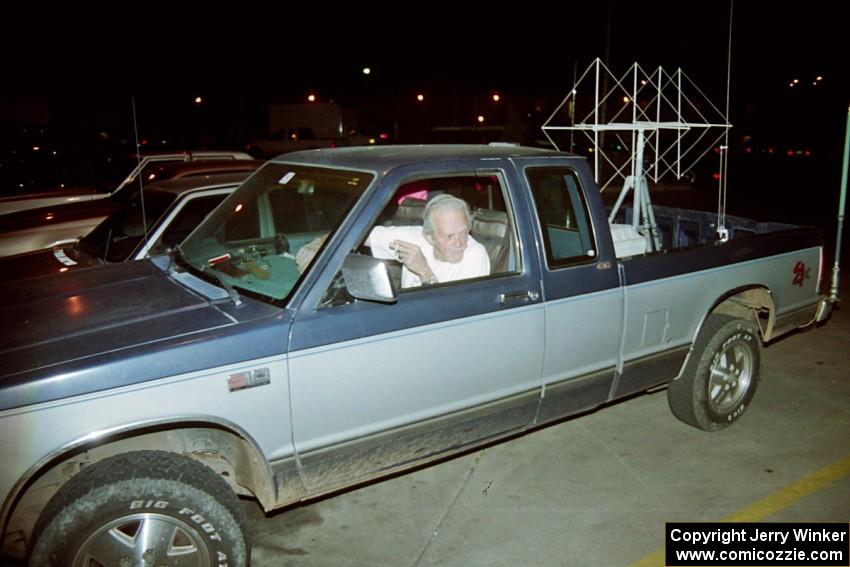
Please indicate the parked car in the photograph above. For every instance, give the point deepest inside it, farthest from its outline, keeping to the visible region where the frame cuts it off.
(172, 209)
(139, 400)
(56, 225)
(143, 166)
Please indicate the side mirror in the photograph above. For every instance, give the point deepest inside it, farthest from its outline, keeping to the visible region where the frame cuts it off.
(368, 278)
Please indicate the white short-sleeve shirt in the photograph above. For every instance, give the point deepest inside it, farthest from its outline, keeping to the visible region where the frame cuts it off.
(475, 262)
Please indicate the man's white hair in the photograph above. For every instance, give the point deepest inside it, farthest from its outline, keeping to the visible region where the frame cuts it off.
(444, 201)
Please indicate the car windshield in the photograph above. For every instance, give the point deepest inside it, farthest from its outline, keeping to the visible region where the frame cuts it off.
(120, 233)
(251, 240)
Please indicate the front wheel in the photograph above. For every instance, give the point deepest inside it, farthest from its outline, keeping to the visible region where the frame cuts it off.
(142, 508)
(721, 376)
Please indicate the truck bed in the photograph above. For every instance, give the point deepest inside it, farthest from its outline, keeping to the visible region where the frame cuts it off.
(685, 228)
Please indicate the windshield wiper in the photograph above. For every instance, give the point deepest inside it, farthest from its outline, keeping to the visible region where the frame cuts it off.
(234, 295)
(178, 258)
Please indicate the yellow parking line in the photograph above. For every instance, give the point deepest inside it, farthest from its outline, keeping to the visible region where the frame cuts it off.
(772, 503)
(784, 497)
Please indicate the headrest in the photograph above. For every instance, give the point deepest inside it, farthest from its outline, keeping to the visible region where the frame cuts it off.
(489, 224)
(411, 209)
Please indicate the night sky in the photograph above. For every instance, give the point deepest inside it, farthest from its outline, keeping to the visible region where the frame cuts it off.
(85, 69)
(78, 73)
(530, 48)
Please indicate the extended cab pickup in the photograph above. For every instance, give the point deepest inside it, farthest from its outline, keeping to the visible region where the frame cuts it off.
(140, 399)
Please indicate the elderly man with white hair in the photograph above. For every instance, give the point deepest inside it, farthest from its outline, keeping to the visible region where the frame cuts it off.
(441, 250)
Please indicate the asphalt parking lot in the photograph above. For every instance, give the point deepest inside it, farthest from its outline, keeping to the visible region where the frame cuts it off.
(597, 489)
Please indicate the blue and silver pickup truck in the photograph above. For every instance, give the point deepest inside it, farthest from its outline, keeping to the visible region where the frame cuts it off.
(277, 355)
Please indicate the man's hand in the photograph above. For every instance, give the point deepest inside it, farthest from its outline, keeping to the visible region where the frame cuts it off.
(411, 256)
(307, 252)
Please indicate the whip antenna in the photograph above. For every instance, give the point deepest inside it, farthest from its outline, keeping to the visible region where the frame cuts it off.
(139, 163)
(722, 231)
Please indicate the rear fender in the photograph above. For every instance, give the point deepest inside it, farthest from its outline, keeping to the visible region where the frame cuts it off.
(754, 303)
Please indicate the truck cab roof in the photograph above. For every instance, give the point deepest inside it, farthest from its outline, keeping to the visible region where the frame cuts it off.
(380, 157)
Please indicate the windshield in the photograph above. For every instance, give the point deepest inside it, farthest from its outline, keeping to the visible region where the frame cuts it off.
(251, 240)
(120, 233)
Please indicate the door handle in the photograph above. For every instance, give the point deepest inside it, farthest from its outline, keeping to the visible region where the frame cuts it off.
(512, 296)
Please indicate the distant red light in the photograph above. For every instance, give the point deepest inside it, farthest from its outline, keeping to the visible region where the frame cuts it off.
(717, 150)
(770, 150)
(384, 136)
(789, 153)
(715, 176)
(749, 150)
(807, 153)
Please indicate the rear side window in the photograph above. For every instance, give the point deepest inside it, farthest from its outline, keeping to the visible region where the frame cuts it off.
(563, 216)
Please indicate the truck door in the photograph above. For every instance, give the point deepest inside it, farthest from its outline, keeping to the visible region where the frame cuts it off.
(583, 303)
(377, 386)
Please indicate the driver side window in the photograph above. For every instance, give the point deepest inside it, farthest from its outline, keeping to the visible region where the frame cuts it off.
(440, 230)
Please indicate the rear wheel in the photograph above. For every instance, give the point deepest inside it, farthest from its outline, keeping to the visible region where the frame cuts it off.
(721, 376)
(142, 508)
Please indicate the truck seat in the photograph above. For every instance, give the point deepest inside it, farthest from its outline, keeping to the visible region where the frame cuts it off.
(411, 211)
(491, 229)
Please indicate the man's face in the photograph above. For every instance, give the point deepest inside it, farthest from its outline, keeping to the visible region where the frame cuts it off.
(451, 233)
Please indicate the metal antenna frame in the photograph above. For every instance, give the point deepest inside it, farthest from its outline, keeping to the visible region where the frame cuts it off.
(659, 102)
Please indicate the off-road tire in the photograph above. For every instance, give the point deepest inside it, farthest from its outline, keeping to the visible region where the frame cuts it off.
(721, 375)
(186, 512)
